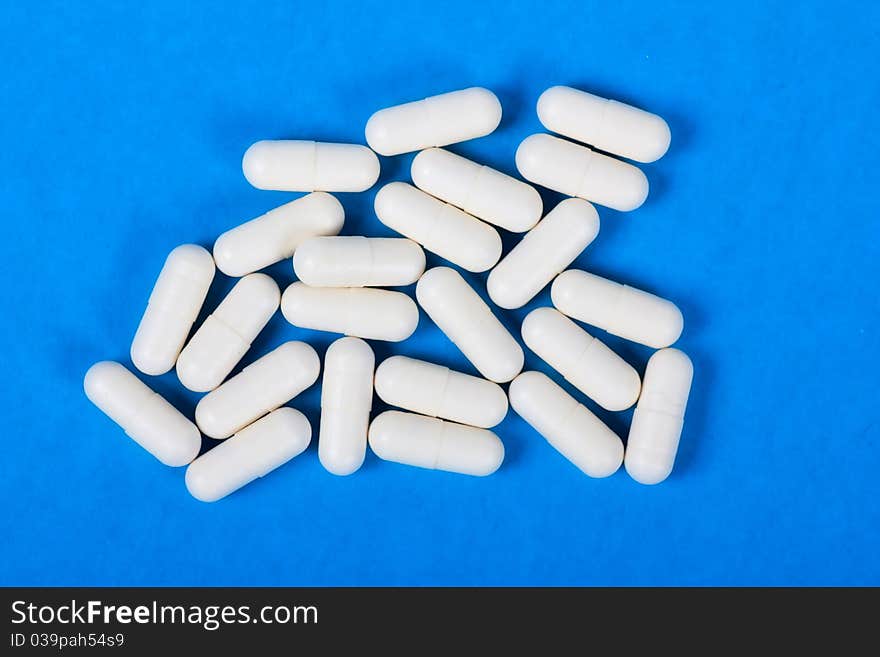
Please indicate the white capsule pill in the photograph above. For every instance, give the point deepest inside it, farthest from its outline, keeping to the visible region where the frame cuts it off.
(144, 415)
(466, 320)
(362, 312)
(569, 427)
(621, 310)
(226, 335)
(259, 388)
(427, 442)
(478, 190)
(346, 400)
(546, 250)
(438, 391)
(576, 170)
(583, 360)
(275, 235)
(309, 166)
(358, 261)
(253, 452)
(659, 417)
(435, 121)
(439, 227)
(174, 304)
(605, 124)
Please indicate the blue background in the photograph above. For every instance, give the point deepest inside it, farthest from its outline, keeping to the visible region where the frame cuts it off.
(122, 126)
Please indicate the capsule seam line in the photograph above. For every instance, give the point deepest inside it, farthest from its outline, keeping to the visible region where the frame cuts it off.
(674, 416)
(434, 221)
(136, 416)
(577, 361)
(574, 406)
(441, 396)
(587, 168)
(372, 262)
(602, 121)
(430, 118)
(615, 310)
(313, 178)
(471, 188)
(487, 317)
(231, 328)
(440, 443)
(349, 307)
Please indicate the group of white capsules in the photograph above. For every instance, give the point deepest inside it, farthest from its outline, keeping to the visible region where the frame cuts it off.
(450, 211)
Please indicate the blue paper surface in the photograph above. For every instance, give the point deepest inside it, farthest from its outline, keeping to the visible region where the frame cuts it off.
(122, 126)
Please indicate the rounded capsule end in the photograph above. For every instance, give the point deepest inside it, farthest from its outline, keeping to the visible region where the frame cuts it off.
(531, 155)
(532, 208)
(328, 209)
(417, 262)
(208, 421)
(367, 170)
(644, 471)
(563, 289)
(510, 368)
(262, 287)
(379, 133)
(99, 381)
(294, 302)
(349, 347)
(185, 448)
(534, 325)
(380, 440)
(253, 164)
(194, 375)
(307, 260)
(422, 168)
(492, 455)
(634, 192)
(549, 103)
(661, 139)
(226, 257)
(583, 219)
(669, 330)
(342, 462)
(502, 293)
(501, 405)
(195, 258)
(390, 377)
(294, 426)
(523, 387)
(408, 319)
(490, 253)
(435, 282)
(148, 361)
(386, 197)
(488, 107)
(627, 387)
(303, 356)
(674, 361)
(608, 462)
(200, 485)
